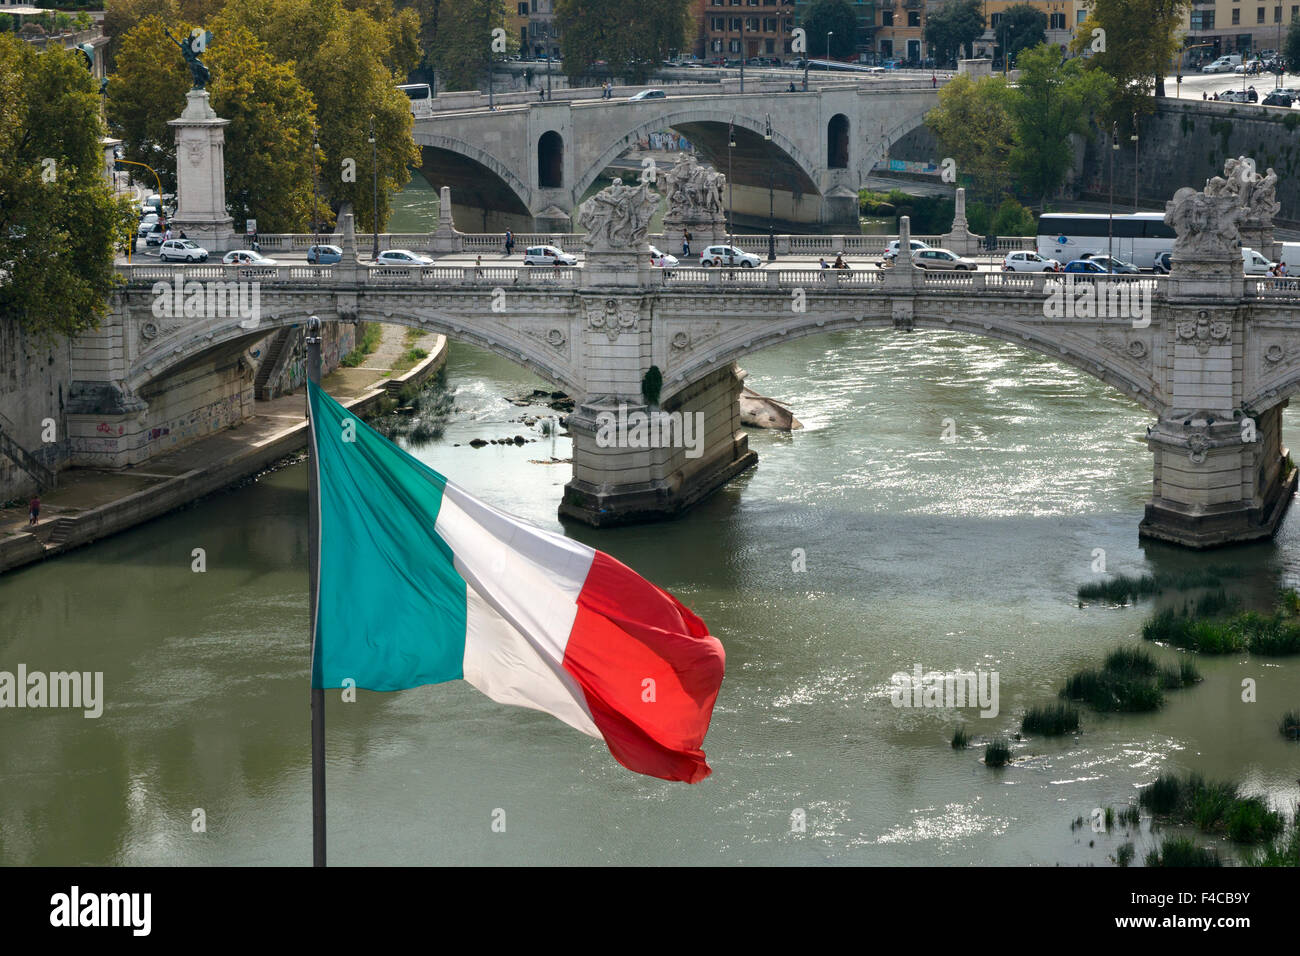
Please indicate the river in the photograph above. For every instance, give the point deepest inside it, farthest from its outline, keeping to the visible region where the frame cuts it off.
(962, 554)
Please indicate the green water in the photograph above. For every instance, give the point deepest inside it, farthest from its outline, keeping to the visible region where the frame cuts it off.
(950, 555)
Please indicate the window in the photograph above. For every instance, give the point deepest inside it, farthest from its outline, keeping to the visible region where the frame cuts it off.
(788, 47)
(913, 18)
(733, 46)
(1259, 15)
(1236, 17)
(1056, 21)
(751, 24)
(994, 20)
(769, 46)
(716, 46)
(718, 23)
(523, 9)
(734, 25)
(1080, 16)
(769, 25)
(1277, 14)
(886, 18)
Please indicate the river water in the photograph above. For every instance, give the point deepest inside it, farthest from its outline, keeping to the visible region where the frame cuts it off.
(962, 554)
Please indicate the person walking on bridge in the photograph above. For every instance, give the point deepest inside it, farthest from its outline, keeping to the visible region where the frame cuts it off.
(510, 243)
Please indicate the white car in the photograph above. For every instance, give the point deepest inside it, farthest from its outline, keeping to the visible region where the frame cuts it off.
(1253, 263)
(247, 257)
(647, 95)
(147, 224)
(942, 259)
(402, 257)
(728, 255)
(1224, 64)
(1028, 262)
(182, 250)
(548, 256)
(662, 260)
(891, 250)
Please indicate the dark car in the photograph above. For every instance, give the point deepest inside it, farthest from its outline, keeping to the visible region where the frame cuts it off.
(1276, 98)
(1085, 267)
(324, 255)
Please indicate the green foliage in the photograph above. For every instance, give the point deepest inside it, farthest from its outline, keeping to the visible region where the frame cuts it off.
(997, 753)
(1182, 852)
(1141, 40)
(461, 48)
(59, 219)
(630, 39)
(1053, 720)
(148, 89)
(1009, 218)
(833, 16)
(1202, 626)
(1291, 48)
(1213, 807)
(652, 384)
(952, 29)
(975, 128)
(929, 214)
(121, 16)
(1289, 726)
(1129, 681)
(371, 333)
(1025, 27)
(1052, 100)
(960, 739)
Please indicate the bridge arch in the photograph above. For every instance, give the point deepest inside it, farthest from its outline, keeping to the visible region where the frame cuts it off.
(534, 355)
(1126, 377)
(837, 142)
(697, 115)
(550, 160)
(476, 177)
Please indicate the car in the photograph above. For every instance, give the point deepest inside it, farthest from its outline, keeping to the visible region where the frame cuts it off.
(647, 95)
(182, 250)
(942, 259)
(324, 255)
(156, 234)
(728, 255)
(246, 257)
(1162, 263)
(548, 256)
(1223, 64)
(1028, 262)
(662, 260)
(1276, 98)
(891, 250)
(1084, 267)
(402, 257)
(1253, 263)
(1112, 265)
(1291, 91)
(147, 224)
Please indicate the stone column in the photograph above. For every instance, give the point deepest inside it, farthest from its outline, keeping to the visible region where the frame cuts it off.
(446, 239)
(960, 239)
(200, 175)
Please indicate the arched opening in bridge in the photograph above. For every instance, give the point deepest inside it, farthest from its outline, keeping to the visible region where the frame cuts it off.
(550, 160)
(837, 142)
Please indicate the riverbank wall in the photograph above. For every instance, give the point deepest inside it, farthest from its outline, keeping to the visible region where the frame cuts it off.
(215, 469)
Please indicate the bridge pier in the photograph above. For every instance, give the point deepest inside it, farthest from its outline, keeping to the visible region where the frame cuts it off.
(634, 462)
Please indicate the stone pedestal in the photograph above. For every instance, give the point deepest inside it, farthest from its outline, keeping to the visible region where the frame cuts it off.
(1212, 487)
(1206, 277)
(617, 480)
(705, 231)
(617, 268)
(840, 207)
(200, 176)
(553, 219)
(960, 239)
(446, 239)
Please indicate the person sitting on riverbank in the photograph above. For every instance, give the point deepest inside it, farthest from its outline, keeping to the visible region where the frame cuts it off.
(33, 511)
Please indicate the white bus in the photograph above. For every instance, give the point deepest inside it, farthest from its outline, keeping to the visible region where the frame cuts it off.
(1137, 237)
(421, 97)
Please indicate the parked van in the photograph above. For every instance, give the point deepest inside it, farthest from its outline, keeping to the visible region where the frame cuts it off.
(1254, 263)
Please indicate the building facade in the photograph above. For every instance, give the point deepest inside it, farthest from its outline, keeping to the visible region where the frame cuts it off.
(1215, 27)
(736, 29)
(543, 38)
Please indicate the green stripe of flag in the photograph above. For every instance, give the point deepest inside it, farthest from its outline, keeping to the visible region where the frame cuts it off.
(392, 606)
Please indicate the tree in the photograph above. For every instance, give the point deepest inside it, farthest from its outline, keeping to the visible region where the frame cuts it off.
(823, 16)
(268, 142)
(1136, 47)
(1291, 47)
(952, 28)
(146, 90)
(462, 46)
(342, 58)
(1024, 27)
(631, 38)
(120, 16)
(59, 219)
(1052, 100)
(975, 129)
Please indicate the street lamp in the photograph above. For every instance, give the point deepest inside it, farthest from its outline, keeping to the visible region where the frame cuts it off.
(315, 201)
(771, 202)
(1134, 140)
(829, 34)
(742, 50)
(1110, 218)
(731, 218)
(374, 162)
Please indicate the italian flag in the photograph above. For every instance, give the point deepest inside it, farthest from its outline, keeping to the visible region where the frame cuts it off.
(421, 583)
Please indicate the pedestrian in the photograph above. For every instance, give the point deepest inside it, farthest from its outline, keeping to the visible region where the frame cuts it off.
(478, 267)
(167, 233)
(510, 242)
(840, 263)
(934, 81)
(34, 510)
(557, 270)
(686, 242)
(791, 90)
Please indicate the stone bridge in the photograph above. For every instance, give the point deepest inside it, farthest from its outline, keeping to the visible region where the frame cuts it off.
(1214, 361)
(528, 166)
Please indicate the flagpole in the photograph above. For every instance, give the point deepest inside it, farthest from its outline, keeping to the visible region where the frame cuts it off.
(313, 597)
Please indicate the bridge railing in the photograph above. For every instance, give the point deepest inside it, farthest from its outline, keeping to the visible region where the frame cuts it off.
(1286, 288)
